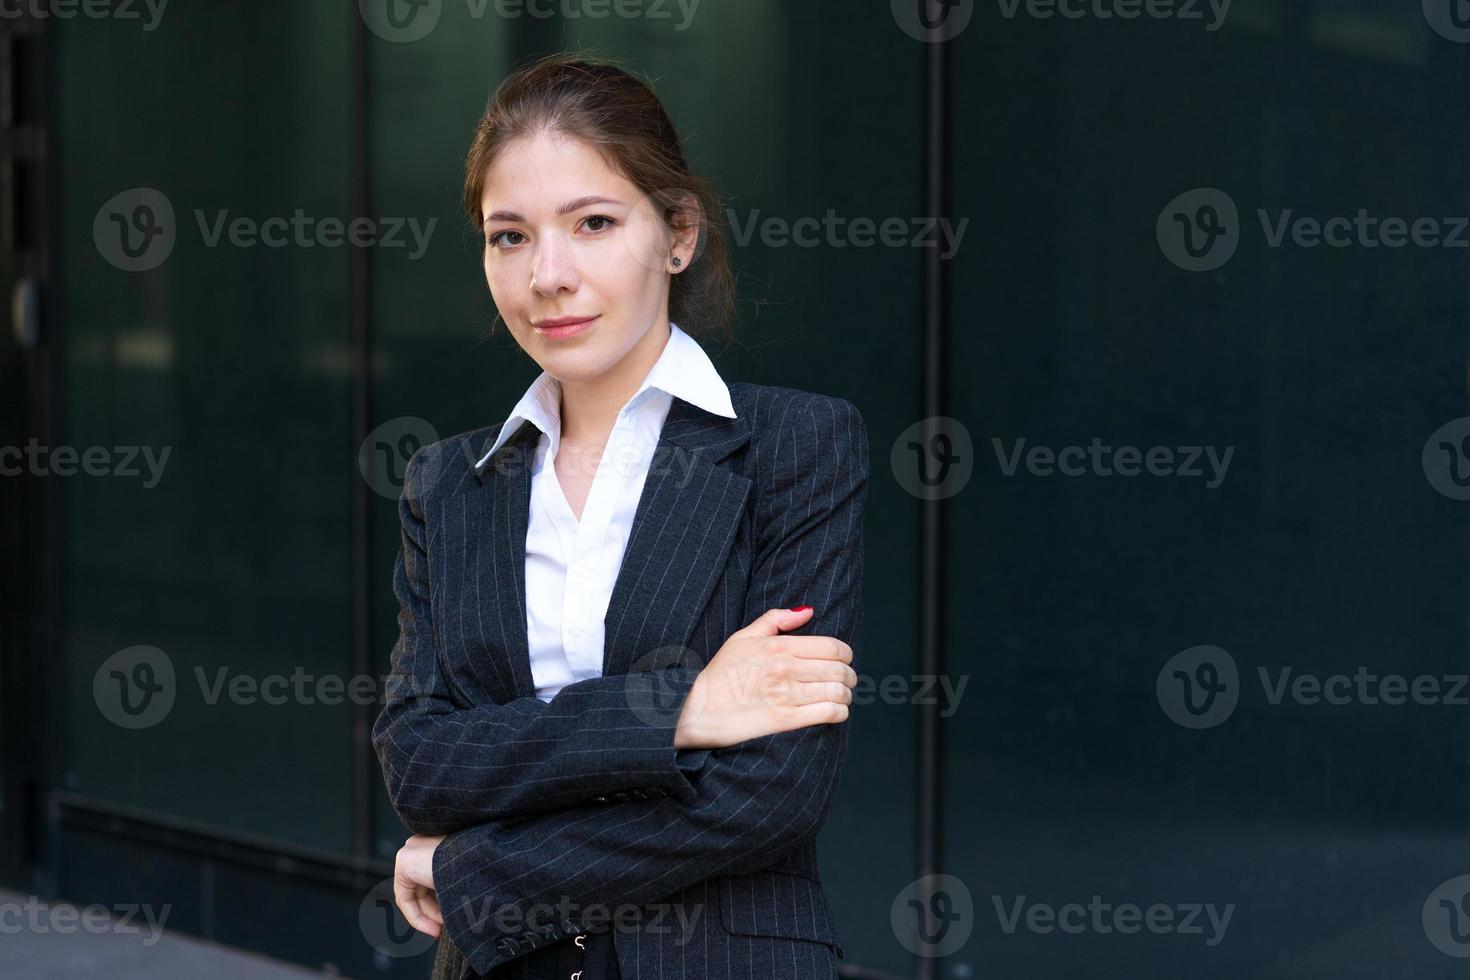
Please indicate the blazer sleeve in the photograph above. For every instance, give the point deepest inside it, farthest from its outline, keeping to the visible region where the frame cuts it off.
(448, 766)
(750, 803)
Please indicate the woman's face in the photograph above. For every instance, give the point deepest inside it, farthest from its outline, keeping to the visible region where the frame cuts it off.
(567, 236)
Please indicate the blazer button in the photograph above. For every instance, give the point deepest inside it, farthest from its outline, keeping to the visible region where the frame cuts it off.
(600, 799)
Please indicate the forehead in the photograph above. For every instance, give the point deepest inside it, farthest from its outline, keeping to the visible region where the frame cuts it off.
(528, 172)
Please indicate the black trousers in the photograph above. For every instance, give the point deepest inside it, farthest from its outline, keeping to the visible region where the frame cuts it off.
(593, 959)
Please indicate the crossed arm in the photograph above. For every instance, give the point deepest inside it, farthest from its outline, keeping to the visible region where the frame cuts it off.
(448, 766)
(513, 785)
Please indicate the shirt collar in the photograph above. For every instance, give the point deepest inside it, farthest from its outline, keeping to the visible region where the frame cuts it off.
(682, 370)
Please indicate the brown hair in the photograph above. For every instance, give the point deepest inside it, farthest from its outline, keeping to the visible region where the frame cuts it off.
(594, 100)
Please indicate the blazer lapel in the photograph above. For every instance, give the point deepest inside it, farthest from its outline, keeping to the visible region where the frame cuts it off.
(497, 548)
(682, 530)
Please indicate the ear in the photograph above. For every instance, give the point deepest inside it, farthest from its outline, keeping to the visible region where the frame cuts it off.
(687, 219)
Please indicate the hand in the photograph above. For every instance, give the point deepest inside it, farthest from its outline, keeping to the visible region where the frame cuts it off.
(413, 884)
(761, 683)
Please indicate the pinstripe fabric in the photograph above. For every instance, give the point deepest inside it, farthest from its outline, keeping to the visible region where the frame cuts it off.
(581, 804)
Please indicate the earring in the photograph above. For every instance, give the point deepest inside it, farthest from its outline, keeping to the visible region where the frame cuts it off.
(678, 262)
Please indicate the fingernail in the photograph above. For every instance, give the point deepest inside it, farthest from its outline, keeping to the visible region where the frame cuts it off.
(800, 608)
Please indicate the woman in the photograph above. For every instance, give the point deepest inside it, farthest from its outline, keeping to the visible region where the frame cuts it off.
(630, 613)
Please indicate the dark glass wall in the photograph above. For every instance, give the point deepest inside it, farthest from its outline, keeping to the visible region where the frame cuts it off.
(230, 555)
(1109, 168)
(1202, 461)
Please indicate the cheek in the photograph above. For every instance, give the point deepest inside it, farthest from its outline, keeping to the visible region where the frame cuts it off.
(644, 246)
(617, 269)
(497, 276)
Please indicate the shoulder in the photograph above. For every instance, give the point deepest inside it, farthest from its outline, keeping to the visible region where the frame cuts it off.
(446, 466)
(774, 410)
(804, 427)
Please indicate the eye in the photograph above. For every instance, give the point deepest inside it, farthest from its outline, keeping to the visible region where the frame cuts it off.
(494, 239)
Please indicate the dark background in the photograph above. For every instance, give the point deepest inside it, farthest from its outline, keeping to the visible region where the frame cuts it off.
(1328, 547)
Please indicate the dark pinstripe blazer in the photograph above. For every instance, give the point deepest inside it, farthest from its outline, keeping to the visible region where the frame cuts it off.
(579, 813)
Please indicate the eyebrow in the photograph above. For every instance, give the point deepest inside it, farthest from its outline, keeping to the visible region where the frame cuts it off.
(565, 209)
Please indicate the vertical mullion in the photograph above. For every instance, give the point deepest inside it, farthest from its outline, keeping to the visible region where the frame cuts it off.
(361, 357)
(934, 395)
(32, 715)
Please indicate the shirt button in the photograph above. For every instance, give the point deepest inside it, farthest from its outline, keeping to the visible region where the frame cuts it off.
(574, 633)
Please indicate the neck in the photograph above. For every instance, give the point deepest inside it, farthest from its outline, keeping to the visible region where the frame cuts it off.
(589, 408)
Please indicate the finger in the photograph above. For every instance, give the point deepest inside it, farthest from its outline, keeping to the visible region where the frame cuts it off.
(818, 713)
(773, 621)
(403, 897)
(407, 896)
(809, 692)
(429, 903)
(818, 648)
(427, 924)
(825, 670)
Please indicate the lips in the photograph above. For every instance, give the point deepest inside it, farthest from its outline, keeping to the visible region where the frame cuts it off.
(566, 326)
(563, 321)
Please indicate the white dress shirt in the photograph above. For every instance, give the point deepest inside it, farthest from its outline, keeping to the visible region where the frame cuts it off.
(571, 565)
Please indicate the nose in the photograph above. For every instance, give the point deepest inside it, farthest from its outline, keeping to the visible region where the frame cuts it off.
(554, 268)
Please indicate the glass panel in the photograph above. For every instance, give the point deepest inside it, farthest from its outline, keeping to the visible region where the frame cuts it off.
(225, 358)
(1274, 507)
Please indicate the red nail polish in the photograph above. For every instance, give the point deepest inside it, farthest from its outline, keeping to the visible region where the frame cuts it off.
(800, 608)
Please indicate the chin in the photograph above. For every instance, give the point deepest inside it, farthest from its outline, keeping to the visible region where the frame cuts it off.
(576, 365)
